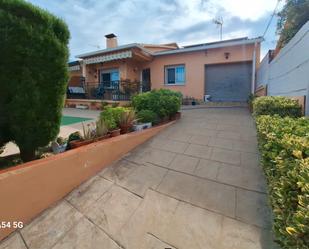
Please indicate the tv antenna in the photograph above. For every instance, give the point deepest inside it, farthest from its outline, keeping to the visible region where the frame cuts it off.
(219, 22)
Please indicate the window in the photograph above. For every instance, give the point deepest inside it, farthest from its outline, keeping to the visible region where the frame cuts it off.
(175, 75)
(109, 78)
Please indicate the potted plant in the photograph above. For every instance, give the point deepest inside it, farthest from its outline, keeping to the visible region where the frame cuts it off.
(59, 145)
(145, 118)
(73, 140)
(101, 130)
(126, 121)
(111, 117)
(88, 136)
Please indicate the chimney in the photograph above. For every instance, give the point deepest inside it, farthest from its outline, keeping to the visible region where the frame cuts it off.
(111, 41)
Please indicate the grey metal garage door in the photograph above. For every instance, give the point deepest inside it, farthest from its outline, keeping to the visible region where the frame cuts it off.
(228, 82)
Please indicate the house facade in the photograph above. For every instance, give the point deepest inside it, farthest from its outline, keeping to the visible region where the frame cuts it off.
(224, 70)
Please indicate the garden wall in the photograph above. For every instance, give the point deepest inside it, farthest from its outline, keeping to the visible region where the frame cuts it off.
(30, 188)
(287, 73)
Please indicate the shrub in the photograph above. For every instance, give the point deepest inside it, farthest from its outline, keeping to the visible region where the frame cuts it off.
(271, 105)
(33, 75)
(163, 102)
(147, 116)
(284, 146)
(111, 116)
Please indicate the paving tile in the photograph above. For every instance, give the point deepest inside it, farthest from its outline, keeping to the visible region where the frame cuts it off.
(179, 136)
(248, 178)
(203, 193)
(13, 242)
(245, 146)
(90, 191)
(193, 227)
(215, 196)
(169, 145)
(221, 143)
(152, 242)
(226, 156)
(198, 151)
(200, 139)
(184, 163)
(250, 160)
(119, 171)
(228, 135)
(152, 216)
(207, 169)
(178, 185)
(158, 157)
(113, 209)
(142, 178)
(238, 235)
(252, 208)
(44, 231)
(86, 235)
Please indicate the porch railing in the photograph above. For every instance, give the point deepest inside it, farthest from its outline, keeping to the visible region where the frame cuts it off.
(111, 90)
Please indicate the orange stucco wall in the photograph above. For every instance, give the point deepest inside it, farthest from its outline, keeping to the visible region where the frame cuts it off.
(195, 67)
(28, 189)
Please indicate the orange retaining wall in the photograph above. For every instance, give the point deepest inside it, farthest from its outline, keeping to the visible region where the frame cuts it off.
(28, 189)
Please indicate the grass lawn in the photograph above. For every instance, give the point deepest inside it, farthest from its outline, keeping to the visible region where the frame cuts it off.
(67, 120)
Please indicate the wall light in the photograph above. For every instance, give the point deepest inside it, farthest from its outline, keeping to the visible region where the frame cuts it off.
(226, 55)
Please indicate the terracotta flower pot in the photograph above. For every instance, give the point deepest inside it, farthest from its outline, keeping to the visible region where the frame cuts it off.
(103, 137)
(115, 133)
(79, 143)
(125, 129)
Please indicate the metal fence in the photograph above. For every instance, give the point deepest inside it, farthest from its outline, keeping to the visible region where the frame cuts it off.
(111, 90)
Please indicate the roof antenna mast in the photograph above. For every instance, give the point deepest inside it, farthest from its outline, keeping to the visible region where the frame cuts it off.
(219, 22)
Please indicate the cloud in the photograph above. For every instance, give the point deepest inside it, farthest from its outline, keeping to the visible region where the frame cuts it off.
(147, 21)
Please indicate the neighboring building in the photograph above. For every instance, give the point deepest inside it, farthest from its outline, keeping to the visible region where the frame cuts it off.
(225, 69)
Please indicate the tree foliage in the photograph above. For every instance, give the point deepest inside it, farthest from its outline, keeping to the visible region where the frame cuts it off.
(292, 17)
(33, 75)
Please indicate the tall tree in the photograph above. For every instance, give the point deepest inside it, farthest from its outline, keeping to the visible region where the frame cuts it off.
(292, 17)
(33, 75)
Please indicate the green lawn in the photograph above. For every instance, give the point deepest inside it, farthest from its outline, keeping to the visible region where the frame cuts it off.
(67, 120)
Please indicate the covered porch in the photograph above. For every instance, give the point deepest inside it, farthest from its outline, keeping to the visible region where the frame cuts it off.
(112, 76)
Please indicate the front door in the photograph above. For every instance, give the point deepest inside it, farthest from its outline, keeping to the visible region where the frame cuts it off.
(146, 86)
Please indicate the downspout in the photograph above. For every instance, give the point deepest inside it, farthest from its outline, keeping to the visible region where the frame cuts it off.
(253, 69)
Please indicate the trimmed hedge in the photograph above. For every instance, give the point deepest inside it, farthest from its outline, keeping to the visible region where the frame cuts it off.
(147, 116)
(271, 105)
(284, 147)
(33, 75)
(163, 102)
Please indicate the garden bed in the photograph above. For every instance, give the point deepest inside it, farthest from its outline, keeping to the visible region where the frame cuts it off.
(29, 188)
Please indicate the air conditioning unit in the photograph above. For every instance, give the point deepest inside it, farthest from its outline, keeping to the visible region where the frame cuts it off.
(207, 98)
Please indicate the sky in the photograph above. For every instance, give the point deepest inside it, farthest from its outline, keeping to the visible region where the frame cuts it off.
(162, 21)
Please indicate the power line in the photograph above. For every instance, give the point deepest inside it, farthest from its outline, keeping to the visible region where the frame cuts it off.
(271, 18)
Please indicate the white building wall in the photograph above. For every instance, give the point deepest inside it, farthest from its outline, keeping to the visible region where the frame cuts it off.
(288, 72)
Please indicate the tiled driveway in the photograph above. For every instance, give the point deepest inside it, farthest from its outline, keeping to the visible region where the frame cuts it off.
(195, 185)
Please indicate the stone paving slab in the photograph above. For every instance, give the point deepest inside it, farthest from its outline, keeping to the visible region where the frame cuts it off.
(198, 184)
(13, 242)
(48, 228)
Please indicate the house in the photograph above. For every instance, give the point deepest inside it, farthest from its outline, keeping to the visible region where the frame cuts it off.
(225, 70)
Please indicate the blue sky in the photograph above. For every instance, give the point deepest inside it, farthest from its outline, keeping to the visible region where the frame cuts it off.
(161, 21)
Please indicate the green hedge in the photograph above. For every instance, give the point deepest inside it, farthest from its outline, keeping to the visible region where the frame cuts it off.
(271, 105)
(163, 102)
(284, 147)
(33, 75)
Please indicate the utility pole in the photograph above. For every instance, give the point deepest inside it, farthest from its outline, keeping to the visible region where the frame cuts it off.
(219, 22)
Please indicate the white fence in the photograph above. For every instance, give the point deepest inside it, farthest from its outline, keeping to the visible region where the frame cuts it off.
(288, 73)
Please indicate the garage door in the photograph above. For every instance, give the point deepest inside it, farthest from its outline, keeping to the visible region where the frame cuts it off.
(228, 82)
